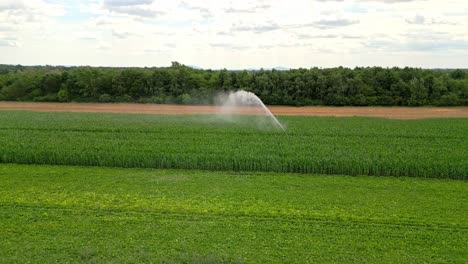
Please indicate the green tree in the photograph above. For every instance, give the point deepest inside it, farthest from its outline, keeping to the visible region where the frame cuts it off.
(458, 74)
(62, 96)
(15, 91)
(418, 92)
(52, 82)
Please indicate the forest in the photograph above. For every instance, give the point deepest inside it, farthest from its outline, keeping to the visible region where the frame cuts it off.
(180, 84)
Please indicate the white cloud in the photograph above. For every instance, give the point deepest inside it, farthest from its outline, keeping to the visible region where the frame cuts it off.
(7, 43)
(422, 20)
(11, 5)
(119, 3)
(235, 34)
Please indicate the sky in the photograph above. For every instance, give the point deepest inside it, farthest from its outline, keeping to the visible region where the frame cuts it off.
(235, 34)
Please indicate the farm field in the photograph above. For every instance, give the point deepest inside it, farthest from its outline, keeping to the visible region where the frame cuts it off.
(96, 214)
(203, 132)
(432, 148)
(207, 188)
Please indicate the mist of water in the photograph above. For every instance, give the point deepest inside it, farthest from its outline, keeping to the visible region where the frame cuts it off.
(243, 102)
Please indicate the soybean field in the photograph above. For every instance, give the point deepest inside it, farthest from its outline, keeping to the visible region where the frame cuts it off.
(111, 215)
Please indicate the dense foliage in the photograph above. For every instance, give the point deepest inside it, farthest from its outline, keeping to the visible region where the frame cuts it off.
(434, 148)
(60, 214)
(185, 85)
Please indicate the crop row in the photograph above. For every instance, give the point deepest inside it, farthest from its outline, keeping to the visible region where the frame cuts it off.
(435, 148)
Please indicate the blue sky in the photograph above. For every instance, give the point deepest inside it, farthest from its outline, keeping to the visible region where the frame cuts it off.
(235, 34)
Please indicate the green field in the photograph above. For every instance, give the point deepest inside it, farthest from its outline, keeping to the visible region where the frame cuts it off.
(203, 189)
(432, 148)
(94, 214)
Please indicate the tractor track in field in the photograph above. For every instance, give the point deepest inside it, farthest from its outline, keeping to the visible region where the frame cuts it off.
(385, 112)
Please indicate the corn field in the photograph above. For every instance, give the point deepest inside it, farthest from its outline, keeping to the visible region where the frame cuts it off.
(433, 148)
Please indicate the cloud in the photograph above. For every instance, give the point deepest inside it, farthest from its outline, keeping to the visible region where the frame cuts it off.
(139, 8)
(220, 45)
(104, 46)
(6, 28)
(120, 3)
(229, 46)
(422, 20)
(351, 37)
(311, 47)
(382, 45)
(377, 1)
(234, 10)
(330, 23)
(243, 32)
(102, 22)
(27, 14)
(136, 11)
(272, 26)
(392, 1)
(328, 36)
(87, 38)
(428, 41)
(419, 20)
(326, 23)
(438, 45)
(7, 43)
(462, 13)
(160, 33)
(266, 46)
(240, 47)
(121, 35)
(11, 5)
(253, 9)
(155, 51)
(256, 28)
(356, 8)
(290, 45)
(204, 11)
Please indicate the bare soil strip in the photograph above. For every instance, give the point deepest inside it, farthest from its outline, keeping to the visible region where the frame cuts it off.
(386, 112)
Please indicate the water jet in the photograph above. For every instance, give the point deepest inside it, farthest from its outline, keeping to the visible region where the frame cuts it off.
(234, 100)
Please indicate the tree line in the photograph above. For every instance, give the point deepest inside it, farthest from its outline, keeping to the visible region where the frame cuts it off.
(180, 84)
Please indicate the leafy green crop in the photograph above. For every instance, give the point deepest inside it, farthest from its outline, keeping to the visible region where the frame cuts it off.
(435, 148)
(108, 215)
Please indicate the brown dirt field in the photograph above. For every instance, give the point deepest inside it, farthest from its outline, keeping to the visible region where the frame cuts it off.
(386, 112)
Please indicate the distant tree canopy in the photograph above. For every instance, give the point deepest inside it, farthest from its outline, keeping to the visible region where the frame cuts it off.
(184, 85)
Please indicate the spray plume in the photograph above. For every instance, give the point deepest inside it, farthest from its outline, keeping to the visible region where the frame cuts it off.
(243, 102)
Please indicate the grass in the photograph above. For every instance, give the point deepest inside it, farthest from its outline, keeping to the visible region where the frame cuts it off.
(433, 148)
(95, 214)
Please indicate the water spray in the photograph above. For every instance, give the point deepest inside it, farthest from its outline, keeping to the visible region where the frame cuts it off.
(243, 98)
